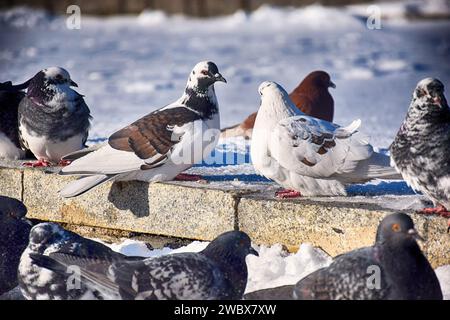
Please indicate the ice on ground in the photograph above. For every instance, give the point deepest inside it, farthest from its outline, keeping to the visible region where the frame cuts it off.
(274, 267)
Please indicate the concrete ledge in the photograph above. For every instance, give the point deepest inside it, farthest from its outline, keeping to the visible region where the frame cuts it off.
(202, 211)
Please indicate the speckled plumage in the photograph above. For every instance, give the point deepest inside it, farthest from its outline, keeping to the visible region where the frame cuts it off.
(38, 283)
(421, 149)
(405, 273)
(14, 230)
(217, 272)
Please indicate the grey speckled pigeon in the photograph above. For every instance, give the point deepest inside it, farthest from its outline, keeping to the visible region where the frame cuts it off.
(404, 272)
(10, 97)
(159, 146)
(38, 283)
(54, 120)
(421, 149)
(14, 231)
(217, 272)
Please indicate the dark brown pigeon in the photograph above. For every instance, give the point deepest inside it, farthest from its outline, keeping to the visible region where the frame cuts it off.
(311, 96)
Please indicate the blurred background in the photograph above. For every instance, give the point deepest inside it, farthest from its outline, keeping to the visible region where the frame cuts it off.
(130, 57)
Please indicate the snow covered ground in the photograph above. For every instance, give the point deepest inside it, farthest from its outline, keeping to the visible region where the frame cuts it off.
(274, 266)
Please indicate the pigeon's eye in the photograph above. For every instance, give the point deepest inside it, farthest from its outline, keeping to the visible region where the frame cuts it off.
(205, 72)
(59, 77)
(396, 227)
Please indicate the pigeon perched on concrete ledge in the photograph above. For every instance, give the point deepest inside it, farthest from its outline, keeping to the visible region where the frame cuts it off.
(159, 146)
(421, 148)
(54, 120)
(14, 231)
(10, 97)
(217, 272)
(309, 156)
(311, 96)
(394, 268)
(38, 283)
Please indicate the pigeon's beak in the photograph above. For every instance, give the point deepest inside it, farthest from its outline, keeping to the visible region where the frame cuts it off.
(332, 85)
(413, 233)
(219, 77)
(26, 221)
(73, 83)
(253, 251)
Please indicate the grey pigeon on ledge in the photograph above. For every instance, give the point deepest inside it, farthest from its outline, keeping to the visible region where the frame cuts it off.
(309, 156)
(217, 272)
(159, 146)
(38, 283)
(421, 149)
(394, 268)
(10, 97)
(14, 231)
(54, 120)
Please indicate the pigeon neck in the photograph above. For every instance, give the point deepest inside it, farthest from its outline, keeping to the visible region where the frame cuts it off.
(233, 267)
(202, 100)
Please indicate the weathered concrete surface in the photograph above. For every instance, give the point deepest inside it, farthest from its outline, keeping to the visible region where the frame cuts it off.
(202, 211)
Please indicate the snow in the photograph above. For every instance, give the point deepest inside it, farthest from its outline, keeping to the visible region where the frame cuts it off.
(274, 267)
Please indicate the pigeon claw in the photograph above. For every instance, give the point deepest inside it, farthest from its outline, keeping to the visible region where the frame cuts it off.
(440, 210)
(63, 163)
(287, 194)
(37, 164)
(188, 177)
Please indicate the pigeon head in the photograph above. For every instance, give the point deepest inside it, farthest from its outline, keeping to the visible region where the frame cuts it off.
(44, 235)
(12, 209)
(397, 229)
(430, 89)
(319, 79)
(276, 100)
(204, 75)
(232, 244)
(58, 76)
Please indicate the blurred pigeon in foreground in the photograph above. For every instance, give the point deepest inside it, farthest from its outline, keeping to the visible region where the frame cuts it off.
(421, 149)
(404, 272)
(54, 120)
(159, 146)
(217, 272)
(309, 156)
(42, 284)
(14, 231)
(10, 97)
(311, 96)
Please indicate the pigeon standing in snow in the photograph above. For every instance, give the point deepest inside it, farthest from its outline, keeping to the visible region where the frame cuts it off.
(14, 231)
(309, 156)
(311, 96)
(394, 268)
(38, 283)
(160, 145)
(420, 151)
(217, 272)
(54, 120)
(10, 97)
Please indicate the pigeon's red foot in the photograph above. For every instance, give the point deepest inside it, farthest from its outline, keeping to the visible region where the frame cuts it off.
(188, 177)
(63, 163)
(440, 210)
(287, 194)
(37, 164)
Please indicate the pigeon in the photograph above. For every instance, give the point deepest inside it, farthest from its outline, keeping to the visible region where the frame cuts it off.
(38, 283)
(285, 292)
(14, 231)
(420, 151)
(54, 120)
(309, 156)
(311, 96)
(159, 146)
(394, 268)
(10, 97)
(217, 272)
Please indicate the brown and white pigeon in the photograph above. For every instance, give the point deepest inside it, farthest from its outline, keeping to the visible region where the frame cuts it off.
(420, 151)
(307, 155)
(311, 96)
(160, 145)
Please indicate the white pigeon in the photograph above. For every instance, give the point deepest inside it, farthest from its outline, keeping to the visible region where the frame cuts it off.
(160, 145)
(311, 156)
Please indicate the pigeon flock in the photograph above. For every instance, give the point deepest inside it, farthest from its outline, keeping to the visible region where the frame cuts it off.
(293, 142)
